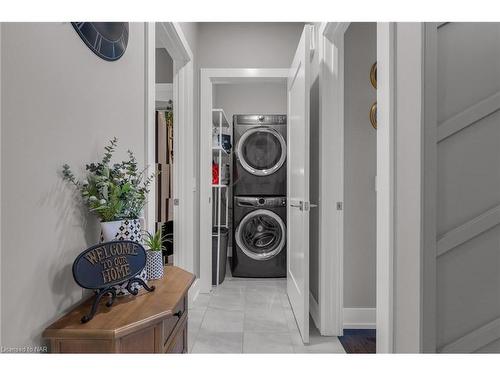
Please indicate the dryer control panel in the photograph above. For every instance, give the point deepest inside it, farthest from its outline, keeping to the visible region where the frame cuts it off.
(268, 202)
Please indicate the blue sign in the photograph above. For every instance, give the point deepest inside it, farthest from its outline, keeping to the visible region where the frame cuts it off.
(109, 263)
(102, 267)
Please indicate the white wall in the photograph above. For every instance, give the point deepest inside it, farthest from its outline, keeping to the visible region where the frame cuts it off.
(60, 103)
(360, 168)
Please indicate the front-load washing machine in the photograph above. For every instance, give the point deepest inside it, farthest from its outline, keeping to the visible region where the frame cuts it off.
(259, 248)
(259, 166)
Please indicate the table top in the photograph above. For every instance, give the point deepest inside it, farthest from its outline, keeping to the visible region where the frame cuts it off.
(128, 313)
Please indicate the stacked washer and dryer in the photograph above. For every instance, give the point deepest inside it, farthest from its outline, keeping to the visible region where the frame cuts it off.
(259, 196)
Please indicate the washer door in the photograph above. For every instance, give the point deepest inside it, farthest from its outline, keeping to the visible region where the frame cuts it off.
(261, 234)
(261, 151)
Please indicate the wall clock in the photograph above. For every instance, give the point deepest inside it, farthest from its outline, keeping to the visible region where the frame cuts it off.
(108, 40)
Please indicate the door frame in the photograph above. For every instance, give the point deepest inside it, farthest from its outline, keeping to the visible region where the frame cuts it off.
(208, 78)
(169, 35)
(331, 262)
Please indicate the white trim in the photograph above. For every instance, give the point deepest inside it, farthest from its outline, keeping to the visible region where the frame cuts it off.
(209, 77)
(360, 318)
(164, 92)
(334, 31)
(314, 310)
(194, 292)
(385, 185)
(474, 340)
(149, 120)
(469, 116)
(331, 190)
(171, 37)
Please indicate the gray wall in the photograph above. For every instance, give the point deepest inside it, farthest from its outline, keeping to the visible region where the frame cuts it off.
(468, 179)
(267, 98)
(60, 103)
(164, 67)
(247, 44)
(360, 166)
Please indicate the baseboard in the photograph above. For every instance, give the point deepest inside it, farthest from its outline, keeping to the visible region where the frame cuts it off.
(314, 311)
(194, 291)
(360, 318)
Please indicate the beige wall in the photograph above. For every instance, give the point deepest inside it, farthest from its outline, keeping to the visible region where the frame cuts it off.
(61, 103)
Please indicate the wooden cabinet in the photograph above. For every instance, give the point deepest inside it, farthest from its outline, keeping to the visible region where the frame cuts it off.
(153, 322)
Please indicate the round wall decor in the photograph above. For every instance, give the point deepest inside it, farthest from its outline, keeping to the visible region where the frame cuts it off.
(108, 40)
(373, 115)
(373, 75)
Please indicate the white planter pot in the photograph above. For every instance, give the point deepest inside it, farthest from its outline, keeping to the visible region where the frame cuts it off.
(128, 229)
(154, 265)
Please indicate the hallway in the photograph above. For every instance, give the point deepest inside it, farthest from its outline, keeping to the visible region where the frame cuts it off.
(250, 316)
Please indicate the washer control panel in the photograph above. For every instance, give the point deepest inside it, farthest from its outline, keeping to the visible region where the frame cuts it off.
(259, 119)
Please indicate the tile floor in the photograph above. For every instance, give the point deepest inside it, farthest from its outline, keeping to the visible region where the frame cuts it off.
(250, 316)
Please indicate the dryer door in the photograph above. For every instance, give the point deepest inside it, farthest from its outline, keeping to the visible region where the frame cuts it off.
(261, 151)
(261, 235)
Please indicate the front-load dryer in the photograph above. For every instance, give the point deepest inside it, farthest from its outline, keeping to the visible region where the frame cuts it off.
(260, 155)
(259, 247)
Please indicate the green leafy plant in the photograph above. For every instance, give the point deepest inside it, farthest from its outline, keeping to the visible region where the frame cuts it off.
(155, 241)
(113, 192)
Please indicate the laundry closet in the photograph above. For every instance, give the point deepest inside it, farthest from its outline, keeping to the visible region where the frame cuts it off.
(249, 179)
(273, 245)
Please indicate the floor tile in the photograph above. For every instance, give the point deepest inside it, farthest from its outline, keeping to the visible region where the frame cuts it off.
(220, 320)
(218, 342)
(201, 301)
(251, 316)
(267, 342)
(228, 301)
(265, 320)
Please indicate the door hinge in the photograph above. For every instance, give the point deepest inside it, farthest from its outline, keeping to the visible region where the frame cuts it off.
(339, 206)
(176, 201)
(312, 42)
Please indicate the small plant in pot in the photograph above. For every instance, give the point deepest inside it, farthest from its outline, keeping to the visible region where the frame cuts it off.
(154, 250)
(116, 194)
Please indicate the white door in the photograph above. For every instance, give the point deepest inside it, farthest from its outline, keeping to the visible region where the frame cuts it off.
(298, 183)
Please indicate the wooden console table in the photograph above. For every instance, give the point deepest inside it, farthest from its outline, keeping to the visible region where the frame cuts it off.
(153, 322)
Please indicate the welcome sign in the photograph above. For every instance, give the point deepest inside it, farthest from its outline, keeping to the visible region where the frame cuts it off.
(108, 264)
(105, 266)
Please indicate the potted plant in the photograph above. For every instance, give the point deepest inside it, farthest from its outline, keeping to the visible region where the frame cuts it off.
(154, 250)
(116, 193)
